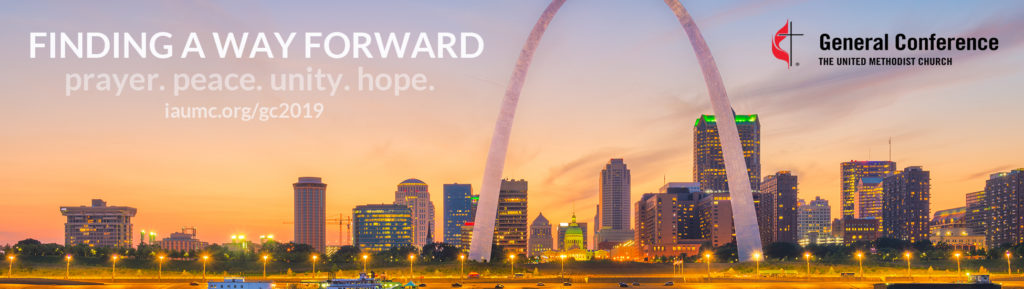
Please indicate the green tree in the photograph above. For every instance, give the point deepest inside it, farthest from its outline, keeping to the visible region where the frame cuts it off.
(498, 254)
(726, 253)
(783, 251)
(293, 253)
(440, 252)
(395, 255)
(346, 255)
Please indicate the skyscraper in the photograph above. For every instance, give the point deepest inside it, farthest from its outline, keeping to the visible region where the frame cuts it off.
(777, 210)
(614, 204)
(716, 222)
(458, 209)
(98, 225)
(382, 227)
(310, 212)
(905, 211)
(1004, 197)
(850, 174)
(540, 236)
(655, 222)
(510, 231)
(814, 220)
(466, 230)
(708, 164)
(414, 194)
(868, 198)
(977, 214)
(687, 210)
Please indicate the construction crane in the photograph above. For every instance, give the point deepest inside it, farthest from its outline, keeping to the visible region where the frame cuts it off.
(344, 228)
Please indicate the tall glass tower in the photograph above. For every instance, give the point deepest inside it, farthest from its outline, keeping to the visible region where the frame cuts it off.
(708, 163)
(458, 209)
(851, 174)
(614, 205)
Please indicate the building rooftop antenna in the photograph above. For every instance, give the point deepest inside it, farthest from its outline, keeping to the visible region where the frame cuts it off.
(890, 148)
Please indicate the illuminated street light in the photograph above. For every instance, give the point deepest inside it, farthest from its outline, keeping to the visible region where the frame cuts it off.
(907, 255)
(67, 270)
(160, 267)
(1008, 268)
(512, 262)
(265, 259)
(205, 258)
(113, 268)
(365, 257)
(757, 263)
(957, 255)
(682, 269)
(807, 257)
(462, 265)
(10, 266)
(561, 274)
(860, 263)
(315, 256)
(707, 257)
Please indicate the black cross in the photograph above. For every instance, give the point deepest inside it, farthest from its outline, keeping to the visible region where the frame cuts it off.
(790, 34)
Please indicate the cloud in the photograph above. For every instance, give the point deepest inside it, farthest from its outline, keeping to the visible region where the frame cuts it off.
(985, 173)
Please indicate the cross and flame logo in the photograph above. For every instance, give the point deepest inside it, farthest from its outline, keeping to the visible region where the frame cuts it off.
(785, 31)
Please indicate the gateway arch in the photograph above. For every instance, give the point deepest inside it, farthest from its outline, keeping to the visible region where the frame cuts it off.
(748, 240)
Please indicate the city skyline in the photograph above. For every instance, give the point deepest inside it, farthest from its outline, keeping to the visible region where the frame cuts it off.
(439, 220)
(228, 178)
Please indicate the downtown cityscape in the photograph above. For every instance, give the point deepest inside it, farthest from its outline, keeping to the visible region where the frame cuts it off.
(886, 218)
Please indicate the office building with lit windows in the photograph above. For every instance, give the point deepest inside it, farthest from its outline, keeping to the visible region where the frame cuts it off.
(708, 164)
(382, 227)
(414, 193)
(655, 223)
(949, 226)
(716, 219)
(1004, 196)
(814, 221)
(858, 230)
(851, 173)
(183, 241)
(510, 226)
(777, 208)
(905, 210)
(98, 225)
(614, 198)
(687, 196)
(977, 212)
(458, 209)
(540, 236)
(868, 199)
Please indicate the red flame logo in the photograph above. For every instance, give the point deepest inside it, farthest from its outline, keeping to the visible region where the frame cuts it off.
(779, 36)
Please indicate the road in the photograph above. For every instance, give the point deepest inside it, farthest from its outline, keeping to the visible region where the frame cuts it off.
(743, 285)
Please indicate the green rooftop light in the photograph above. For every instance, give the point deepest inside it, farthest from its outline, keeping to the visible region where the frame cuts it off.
(740, 118)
